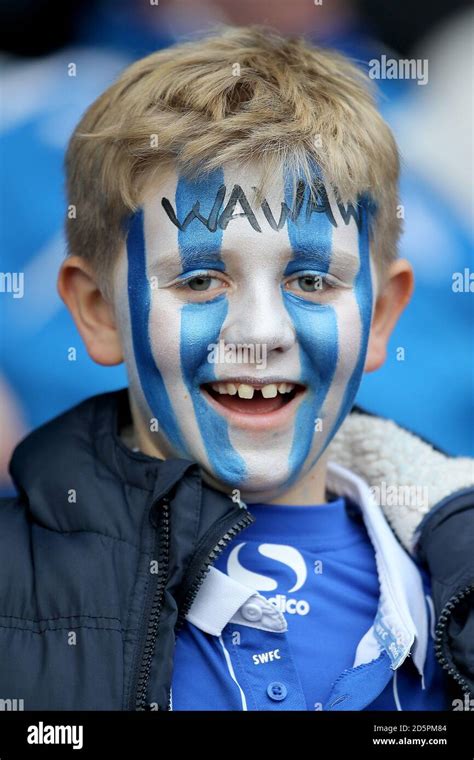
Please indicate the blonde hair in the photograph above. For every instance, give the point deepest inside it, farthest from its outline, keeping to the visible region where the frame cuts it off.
(241, 94)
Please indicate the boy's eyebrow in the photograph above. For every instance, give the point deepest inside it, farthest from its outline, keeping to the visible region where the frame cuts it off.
(339, 261)
(191, 255)
(183, 259)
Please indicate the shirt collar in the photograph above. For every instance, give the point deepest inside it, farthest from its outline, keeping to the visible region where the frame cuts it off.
(401, 623)
(222, 600)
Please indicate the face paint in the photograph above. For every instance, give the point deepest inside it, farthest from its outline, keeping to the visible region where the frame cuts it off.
(260, 261)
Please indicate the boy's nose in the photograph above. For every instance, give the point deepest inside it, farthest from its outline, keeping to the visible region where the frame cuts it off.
(260, 320)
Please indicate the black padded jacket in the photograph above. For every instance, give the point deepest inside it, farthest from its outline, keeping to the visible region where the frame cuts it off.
(85, 624)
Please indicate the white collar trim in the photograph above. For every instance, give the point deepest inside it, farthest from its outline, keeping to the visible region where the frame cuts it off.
(222, 600)
(401, 621)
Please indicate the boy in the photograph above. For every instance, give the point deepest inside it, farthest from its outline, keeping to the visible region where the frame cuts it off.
(191, 543)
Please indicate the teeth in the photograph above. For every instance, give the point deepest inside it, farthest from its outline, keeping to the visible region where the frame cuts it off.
(269, 391)
(247, 391)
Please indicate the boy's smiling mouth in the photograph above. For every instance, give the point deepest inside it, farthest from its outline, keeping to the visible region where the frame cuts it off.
(249, 403)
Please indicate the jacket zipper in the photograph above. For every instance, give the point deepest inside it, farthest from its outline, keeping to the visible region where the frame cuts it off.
(161, 555)
(440, 634)
(219, 536)
(205, 557)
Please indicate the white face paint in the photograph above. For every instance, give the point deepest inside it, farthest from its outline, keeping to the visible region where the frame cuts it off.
(231, 298)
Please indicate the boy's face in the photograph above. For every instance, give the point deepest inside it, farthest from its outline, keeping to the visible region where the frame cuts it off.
(246, 330)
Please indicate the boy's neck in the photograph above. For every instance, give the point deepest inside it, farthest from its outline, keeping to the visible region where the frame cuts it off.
(307, 491)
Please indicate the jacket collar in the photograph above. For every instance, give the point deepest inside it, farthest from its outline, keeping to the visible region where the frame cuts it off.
(401, 624)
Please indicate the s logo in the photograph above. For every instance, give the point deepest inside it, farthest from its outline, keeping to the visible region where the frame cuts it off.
(287, 555)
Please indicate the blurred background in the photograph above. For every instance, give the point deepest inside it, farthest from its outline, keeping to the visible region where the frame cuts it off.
(431, 390)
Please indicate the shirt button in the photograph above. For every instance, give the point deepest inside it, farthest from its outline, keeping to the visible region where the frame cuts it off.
(277, 691)
(251, 611)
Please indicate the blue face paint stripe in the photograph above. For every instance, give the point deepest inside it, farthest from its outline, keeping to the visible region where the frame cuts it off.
(363, 295)
(311, 239)
(201, 325)
(139, 298)
(315, 325)
(198, 246)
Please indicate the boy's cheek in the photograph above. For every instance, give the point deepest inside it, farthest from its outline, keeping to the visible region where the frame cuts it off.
(333, 332)
(164, 331)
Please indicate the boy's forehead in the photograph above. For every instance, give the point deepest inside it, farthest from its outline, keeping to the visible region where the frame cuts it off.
(215, 216)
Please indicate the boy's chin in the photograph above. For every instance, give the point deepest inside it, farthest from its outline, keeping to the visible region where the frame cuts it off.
(265, 482)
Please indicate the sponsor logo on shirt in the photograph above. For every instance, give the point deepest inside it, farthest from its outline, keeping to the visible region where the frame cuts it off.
(288, 556)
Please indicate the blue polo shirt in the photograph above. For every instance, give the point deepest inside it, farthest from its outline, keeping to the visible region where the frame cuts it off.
(326, 644)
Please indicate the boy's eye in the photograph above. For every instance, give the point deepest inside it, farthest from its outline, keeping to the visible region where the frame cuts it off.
(310, 283)
(315, 284)
(201, 283)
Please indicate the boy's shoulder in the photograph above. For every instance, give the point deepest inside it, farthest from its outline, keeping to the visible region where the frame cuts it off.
(428, 500)
(62, 467)
(407, 475)
(70, 483)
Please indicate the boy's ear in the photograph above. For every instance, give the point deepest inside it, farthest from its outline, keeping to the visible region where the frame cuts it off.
(93, 314)
(392, 299)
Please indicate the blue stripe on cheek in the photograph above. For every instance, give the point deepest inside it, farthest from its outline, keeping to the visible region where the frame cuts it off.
(317, 332)
(315, 325)
(363, 295)
(201, 323)
(139, 298)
